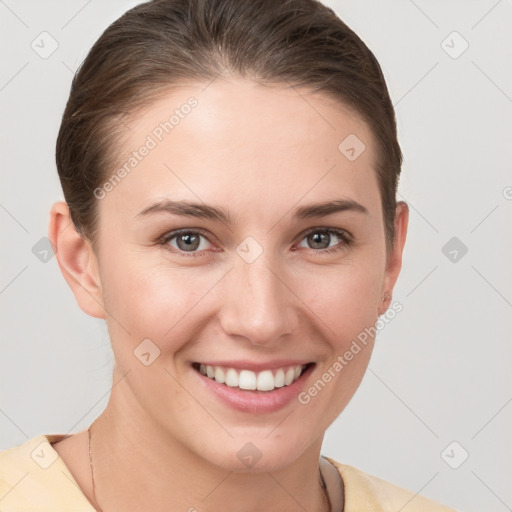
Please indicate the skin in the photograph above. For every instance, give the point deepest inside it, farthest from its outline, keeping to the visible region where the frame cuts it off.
(259, 152)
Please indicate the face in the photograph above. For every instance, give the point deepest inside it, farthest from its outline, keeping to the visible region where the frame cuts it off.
(254, 277)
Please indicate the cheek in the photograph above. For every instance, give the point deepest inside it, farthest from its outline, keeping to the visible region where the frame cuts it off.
(345, 298)
(344, 306)
(154, 300)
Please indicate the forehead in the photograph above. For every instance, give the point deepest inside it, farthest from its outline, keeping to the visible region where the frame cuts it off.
(231, 141)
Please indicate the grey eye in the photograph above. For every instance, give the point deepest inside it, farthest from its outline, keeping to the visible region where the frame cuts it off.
(188, 241)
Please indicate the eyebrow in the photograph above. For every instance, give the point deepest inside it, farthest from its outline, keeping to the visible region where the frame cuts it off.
(204, 211)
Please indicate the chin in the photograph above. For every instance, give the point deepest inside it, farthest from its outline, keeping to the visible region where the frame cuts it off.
(257, 452)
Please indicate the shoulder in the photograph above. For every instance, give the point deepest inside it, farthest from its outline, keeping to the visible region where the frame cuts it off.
(34, 477)
(365, 493)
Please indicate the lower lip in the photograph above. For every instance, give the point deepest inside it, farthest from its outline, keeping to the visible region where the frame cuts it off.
(254, 401)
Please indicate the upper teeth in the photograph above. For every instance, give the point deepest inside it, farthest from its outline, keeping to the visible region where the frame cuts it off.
(266, 380)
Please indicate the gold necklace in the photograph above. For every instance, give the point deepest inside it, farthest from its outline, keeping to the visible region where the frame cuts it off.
(95, 503)
(98, 508)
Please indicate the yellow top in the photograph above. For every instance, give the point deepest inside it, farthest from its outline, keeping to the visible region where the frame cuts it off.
(34, 478)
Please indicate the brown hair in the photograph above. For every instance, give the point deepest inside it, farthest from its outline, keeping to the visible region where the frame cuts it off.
(164, 43)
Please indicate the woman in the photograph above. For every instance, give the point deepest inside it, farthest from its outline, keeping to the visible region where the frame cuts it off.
(230, 171)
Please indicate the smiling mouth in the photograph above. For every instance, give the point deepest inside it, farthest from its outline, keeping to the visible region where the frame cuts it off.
(266, 380)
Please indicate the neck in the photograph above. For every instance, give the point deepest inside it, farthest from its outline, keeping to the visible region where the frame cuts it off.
(137, 466)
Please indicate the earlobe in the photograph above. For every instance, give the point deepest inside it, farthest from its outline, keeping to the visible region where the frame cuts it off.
(77, 261)
(394, 262)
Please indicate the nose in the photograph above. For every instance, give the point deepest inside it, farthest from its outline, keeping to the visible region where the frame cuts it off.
(257, 302)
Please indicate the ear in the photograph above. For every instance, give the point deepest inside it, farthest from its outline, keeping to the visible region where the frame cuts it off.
(394, 259)
(77, 261)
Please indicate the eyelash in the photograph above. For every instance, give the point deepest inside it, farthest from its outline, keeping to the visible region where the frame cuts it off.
(344, 236)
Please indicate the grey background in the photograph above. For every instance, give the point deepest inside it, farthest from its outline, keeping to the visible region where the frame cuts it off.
(441, 370)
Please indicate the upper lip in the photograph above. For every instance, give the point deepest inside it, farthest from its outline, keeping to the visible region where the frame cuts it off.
(256, 367)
